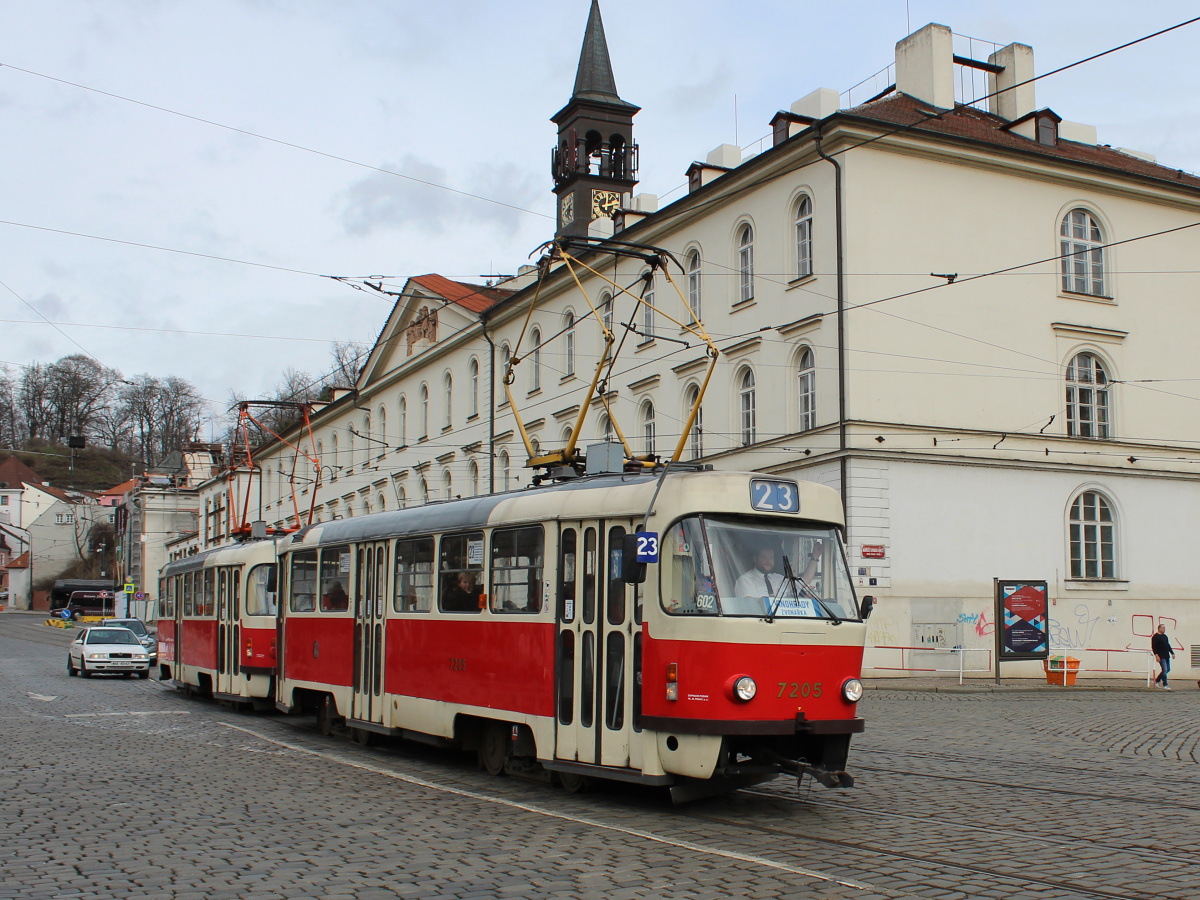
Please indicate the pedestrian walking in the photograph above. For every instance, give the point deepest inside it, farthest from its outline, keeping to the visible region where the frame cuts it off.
(1160, 646)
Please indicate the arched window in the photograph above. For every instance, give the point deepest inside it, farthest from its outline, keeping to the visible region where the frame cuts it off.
(402, 498)
(1093, 537)
(569, 338)
(424, 411)
(606, 309)
(383, 437)
(447, 486)
(606, 429)
(320, 458)
(504, 471)
(424, 487)
(334, 455)
(535, 360)
(696, 437)
(806, 389)
(473, 478)
(402, 425)
(381, 502)
(648, 308)
(366, 436)
(448, 392)
(693, 283)
(1082, 249)
(804, 244)
(1087, 397)
(648, 427)
(746, 405)
(745, 264)
(473, 375)
(366, 507)
(350, 448)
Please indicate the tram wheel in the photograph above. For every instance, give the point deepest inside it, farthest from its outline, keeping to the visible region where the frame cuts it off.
(493, 749)
(327, 716)
(574, 783)
(361, 736)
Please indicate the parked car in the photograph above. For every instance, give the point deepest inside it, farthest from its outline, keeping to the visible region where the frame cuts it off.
(107, 649)
(138, 627)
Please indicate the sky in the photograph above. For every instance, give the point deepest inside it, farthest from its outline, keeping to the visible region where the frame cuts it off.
(182, 182)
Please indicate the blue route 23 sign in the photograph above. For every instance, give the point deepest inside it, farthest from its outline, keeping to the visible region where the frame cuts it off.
(647, 546)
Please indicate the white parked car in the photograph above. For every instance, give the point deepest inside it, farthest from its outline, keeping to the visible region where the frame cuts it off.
(108, 649)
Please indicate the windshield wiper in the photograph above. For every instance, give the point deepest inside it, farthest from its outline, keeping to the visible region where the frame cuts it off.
(795, 579)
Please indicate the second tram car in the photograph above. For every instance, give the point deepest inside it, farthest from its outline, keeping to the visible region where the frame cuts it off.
(217, 623)
(698, 630)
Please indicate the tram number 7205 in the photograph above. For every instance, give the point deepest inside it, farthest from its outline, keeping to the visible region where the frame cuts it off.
(799, 689)
(774, 496)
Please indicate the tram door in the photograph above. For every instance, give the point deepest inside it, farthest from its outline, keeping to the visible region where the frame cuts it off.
(370, 604)
(229, 632)
(596, 656)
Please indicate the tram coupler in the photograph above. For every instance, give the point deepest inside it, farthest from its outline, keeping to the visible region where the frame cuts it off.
(800, 768)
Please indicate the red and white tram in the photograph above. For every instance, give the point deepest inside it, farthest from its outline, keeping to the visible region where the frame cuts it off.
(217, 623)
(697, 630)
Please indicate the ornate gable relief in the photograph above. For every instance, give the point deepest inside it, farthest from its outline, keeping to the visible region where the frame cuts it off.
(422, 333)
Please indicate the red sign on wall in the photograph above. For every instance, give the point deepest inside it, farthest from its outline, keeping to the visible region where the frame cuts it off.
(873, 551)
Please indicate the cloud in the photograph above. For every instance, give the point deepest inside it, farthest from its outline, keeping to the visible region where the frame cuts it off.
(382, 202)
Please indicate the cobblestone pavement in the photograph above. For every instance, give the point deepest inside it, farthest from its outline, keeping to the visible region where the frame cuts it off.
(118, 788)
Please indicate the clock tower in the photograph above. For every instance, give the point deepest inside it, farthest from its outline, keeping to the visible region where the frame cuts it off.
(595, 162)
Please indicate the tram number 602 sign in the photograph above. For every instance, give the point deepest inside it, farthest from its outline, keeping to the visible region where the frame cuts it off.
(774, 496)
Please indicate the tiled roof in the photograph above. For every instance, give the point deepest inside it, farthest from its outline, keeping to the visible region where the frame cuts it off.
(21, 562)
(13, 471)
(974, 124)
(121, 489)
(474, 297)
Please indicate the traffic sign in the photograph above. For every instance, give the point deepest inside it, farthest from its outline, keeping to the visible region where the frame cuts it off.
(139, 595)
(129, 588)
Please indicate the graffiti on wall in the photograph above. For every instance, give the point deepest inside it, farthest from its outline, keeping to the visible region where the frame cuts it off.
(983, 625)
(1076, 632)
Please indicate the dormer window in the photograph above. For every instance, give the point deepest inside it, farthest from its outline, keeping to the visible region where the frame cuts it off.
(1047, 130)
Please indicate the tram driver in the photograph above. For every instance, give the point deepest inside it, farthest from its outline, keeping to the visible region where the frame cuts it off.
(761, 580)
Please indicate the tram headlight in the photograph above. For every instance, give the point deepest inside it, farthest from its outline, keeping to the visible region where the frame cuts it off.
(741, 688)
(852, 690)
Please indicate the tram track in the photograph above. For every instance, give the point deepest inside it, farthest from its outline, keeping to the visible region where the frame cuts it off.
(1141, 852)
(1076, 888)
(1014, 785)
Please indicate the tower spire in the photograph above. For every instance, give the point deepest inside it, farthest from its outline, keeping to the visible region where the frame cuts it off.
(595, 162)
(594, 77)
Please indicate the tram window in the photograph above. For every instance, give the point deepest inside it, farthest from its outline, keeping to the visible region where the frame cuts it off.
(304, 581)
(566, 575)
(414, 576)
(637, 681)
(260, 599)
(687, 581)
(616, 584)
(589, 575)
(517, 570)
(205, 605)
(566, 676)
(587, 686)
(223, 594)
(235, 591)
(460, 571)
(189, 606)
(614, 687)
(335, 573)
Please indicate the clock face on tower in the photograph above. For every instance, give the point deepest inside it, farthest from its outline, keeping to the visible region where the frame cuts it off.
(566, 209)
(605, 203)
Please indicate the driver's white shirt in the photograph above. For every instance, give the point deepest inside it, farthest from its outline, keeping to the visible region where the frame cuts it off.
(754, 584)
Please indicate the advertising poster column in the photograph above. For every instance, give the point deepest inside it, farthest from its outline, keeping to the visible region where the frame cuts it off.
(1022, 609)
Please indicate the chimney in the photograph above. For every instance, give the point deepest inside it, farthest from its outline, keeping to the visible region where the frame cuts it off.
(925, 66)
(1012, 102)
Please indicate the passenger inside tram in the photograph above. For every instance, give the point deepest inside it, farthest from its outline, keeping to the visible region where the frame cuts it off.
(335, 598)
(461, 594)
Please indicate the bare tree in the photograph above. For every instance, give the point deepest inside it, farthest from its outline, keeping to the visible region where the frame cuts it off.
(11, 424)
(348, 360)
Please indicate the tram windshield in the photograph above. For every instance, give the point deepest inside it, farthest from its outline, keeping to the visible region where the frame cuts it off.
(725, 566)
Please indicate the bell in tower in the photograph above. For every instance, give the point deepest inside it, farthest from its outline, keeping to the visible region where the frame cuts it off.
(595, 162)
